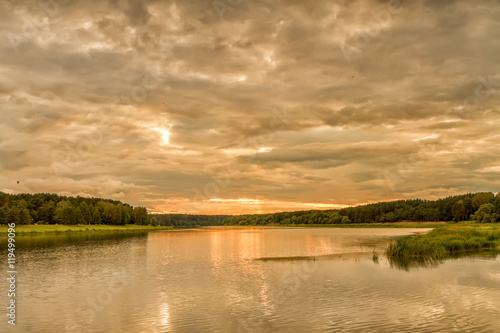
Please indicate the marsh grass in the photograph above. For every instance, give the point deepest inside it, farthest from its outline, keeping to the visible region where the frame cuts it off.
(446, 240)
(408, 263)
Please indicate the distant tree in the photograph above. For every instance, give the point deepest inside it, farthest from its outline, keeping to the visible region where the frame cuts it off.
(141, 216)
(96, 216)
(86, 214)
(42, 207)
(118, 215)
(65, 213)
(482, 198)
(13, 215)
(125, 212)
(79, 219)
(164, 220)
(24, 216)
(107, 214)
(4, 211)
(458, 210)
(469, 209)
(345, 220)
(496, 204)
(154, 221)
(484, 213)
(46, 212)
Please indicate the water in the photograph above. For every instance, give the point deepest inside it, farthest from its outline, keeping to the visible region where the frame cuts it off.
(208, 280)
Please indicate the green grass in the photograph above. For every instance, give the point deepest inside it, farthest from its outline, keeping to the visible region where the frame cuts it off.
(33, 229)
(446, 240)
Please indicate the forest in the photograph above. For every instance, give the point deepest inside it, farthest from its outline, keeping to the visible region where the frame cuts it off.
(45, 208)
(480, 207)
(189, 221)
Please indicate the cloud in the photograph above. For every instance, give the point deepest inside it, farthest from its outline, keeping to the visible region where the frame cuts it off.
(88, 87)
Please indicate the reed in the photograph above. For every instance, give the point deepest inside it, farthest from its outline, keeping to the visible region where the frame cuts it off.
(447, 239)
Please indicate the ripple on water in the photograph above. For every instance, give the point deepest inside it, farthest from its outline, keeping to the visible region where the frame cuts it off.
(209, 282)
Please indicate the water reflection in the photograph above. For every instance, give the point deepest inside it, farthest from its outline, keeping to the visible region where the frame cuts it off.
(407, 264)
(49, 240)
(208, 280)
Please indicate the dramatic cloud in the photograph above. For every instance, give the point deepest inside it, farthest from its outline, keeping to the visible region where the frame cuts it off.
(249, 106)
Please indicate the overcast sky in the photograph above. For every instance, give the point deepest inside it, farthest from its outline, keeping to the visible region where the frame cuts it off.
(244, 106)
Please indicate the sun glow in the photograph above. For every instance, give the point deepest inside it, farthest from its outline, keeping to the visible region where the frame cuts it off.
(165, 135)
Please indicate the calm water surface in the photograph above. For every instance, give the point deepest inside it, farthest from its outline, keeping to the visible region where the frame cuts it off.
(207, 280)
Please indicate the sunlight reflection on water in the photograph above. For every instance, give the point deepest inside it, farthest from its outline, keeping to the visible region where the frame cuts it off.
(208, 281)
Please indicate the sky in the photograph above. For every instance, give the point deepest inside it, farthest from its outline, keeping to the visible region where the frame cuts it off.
(249, 106)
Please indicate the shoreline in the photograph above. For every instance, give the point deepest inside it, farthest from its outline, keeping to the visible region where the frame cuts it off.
(88, 228)
(63, 228)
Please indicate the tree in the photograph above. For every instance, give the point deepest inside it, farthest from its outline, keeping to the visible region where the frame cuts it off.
(345, 220)
(125, 212)
(4, 211)
(482, 198)
(107, 215)
(496, 203)
(79, 219)
(96, 216)
(483, 214)
(86, 214)
(13, 215)
(24, 216)
(65, 213)
(153, 221)
(141, 216)
(118, 216)
(21, 204)
(458, 210)
(46, 212)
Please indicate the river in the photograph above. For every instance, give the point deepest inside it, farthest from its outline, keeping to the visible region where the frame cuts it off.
(246, 280)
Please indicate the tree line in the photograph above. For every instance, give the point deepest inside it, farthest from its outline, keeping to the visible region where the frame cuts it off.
(189, 221)
(46, 208)
(480, 207)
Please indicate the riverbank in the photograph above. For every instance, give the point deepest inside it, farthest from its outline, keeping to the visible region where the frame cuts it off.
(447, 240)
(51, 228)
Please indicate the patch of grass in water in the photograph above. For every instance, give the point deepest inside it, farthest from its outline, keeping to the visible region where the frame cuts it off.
(446, 240)
(408, 263)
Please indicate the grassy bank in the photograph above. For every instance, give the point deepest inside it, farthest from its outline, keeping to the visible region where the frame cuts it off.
(446, 240)
(43, 228)
(33, 229)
